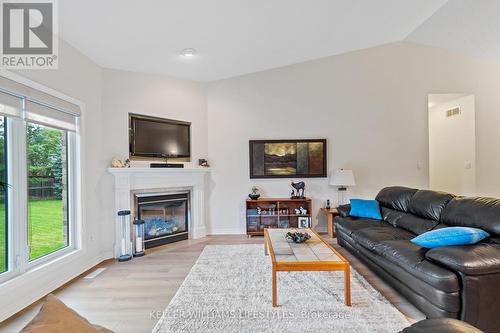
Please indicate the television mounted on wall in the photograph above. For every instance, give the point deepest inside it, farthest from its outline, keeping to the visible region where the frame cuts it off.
(158, 137)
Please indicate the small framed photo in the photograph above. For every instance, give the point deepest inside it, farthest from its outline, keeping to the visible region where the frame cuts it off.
(304, 222)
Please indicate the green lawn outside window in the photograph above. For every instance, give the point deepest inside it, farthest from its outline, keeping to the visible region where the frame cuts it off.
(47, 231)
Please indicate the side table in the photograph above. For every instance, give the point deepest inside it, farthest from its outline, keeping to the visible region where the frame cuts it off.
(330, 214)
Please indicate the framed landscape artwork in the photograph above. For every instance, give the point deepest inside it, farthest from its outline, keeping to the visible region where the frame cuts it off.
(303, 158)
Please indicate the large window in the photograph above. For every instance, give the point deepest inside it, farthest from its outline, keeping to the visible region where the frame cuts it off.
(38, 178)
(48, 213)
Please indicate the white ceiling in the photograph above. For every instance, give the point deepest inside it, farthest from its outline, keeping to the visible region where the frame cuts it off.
(468, 26)
(438, 99)
(232, 37)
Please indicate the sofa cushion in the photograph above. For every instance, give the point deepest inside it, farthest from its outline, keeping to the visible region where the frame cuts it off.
(370, 237)
(483, 258)
(481, 213)
(416, 224)
(442, 302)
(429, 204)
(349, 224)
(391, 216)
(430, 300)
(411, 258)
(396, 197)
(407, 221)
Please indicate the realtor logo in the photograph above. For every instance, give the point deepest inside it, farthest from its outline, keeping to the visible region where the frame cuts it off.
(29, 34)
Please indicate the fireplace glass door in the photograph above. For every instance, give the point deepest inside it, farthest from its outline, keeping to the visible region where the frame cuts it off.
(165, 218)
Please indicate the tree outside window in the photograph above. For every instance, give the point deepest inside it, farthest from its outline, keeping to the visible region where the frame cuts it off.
(47, 188)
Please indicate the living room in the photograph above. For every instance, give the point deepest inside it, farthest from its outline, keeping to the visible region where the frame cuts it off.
(337, 97)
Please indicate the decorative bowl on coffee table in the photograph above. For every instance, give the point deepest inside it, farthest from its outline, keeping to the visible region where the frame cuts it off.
(297, 237)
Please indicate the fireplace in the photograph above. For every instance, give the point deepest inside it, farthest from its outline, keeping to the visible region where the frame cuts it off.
(165, 216)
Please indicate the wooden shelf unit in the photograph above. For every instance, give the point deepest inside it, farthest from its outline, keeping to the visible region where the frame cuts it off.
(275, 213)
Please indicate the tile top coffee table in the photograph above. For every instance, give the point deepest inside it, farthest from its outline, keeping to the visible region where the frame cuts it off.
(313, 255)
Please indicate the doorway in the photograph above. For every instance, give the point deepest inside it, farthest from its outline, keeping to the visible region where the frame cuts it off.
(452, 143)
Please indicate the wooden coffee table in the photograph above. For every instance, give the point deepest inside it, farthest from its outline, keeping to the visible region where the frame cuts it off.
(313, 255)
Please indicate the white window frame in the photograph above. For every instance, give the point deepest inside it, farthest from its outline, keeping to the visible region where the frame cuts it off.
(17, 236)
(71, 205)
(13, 237)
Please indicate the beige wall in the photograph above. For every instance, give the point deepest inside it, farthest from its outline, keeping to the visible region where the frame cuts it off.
(371, 105)
(154, 95)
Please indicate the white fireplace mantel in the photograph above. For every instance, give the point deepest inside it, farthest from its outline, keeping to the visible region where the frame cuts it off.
(129, 180)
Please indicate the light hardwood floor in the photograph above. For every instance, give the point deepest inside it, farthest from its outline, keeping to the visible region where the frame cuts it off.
(123, 297)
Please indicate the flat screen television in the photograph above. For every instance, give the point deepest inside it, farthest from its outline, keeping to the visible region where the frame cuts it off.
(158, 137)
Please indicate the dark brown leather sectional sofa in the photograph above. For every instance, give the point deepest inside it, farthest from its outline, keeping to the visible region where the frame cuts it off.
(461, 282)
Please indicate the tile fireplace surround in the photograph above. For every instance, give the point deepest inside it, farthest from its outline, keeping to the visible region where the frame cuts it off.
(130, 181)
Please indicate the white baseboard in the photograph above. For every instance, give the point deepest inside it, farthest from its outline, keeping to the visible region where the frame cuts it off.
(23, 290)
(226, 231)
(107, 255)
(231, 231)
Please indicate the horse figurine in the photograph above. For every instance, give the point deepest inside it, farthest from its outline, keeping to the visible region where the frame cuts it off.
(299, 189)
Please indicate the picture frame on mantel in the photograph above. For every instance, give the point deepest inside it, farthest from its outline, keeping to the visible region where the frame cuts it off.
(299, 158)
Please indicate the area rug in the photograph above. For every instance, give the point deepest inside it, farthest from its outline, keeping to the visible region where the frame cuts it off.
(229, 290)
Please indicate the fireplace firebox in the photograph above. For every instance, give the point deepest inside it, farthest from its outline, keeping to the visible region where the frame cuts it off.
(165, 216)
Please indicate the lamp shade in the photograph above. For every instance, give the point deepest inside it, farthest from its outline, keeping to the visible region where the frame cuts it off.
(342, 178)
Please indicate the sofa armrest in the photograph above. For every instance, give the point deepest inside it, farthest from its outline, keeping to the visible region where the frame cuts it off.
(479, 259)
(441, 325)
(344, 210)
(478, 267)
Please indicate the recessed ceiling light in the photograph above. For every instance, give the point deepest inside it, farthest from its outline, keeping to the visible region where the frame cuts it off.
(190, 52)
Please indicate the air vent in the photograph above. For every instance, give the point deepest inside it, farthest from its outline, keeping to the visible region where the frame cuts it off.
(453, 112)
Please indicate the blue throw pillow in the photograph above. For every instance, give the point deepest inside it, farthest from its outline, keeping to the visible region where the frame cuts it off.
(450, 236)
(365, 208)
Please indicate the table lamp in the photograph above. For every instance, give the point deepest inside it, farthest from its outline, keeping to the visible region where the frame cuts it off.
(343, 179)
